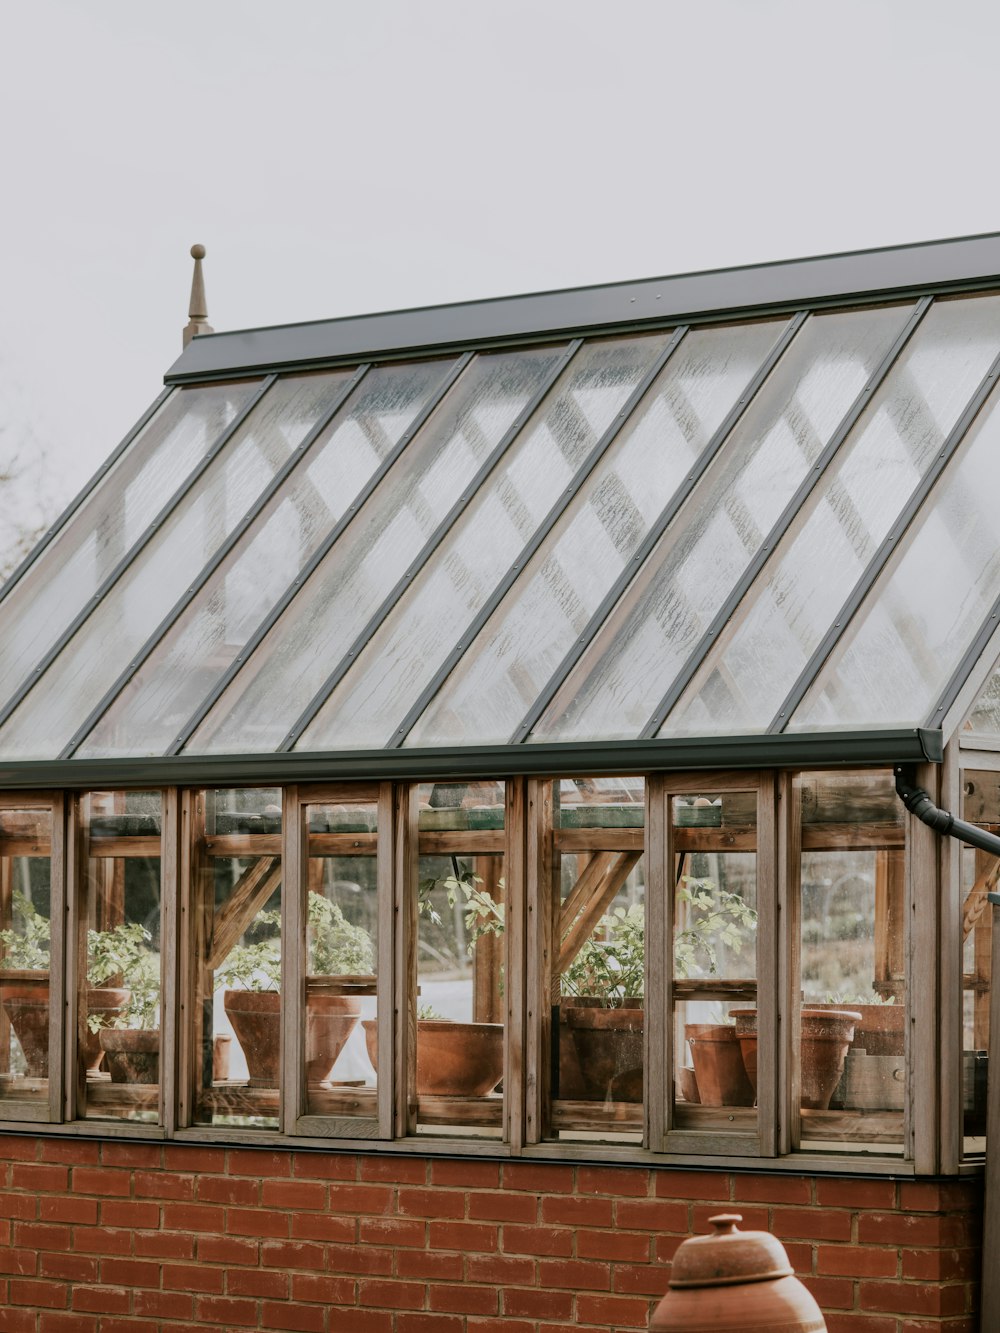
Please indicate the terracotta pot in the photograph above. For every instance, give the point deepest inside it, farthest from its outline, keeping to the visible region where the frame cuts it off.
(29, 1017)
(330, 1020)
(882, 1030)
(256, 1020)
(687, 1085)
(453, 1059)
(222, 1049)
(735, 1282)
(106, 1003)
(133, 1054)
(609, 1049)
(718, 1065)
(825, 1037)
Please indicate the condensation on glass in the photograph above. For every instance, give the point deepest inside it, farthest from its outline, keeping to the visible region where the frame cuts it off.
(909, 635)
(26, 910)
(713, 837)
(984, 716)
(156, 703)
(129, 612)
(109, 522)
(261, 704)
(979, 874)
(505, 668)
(796, 597)
(596, 967)
(119, 951)
(617, 685)
(231, 1049)
(850, 887)
(535, 471)
(460, 959)
(340, 897)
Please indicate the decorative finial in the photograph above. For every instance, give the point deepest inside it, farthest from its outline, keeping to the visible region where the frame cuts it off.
(197, 310)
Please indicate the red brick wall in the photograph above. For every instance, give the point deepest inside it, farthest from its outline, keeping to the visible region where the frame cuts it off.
(130, 1238)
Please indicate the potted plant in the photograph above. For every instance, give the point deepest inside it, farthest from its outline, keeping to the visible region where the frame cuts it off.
(251, 978)
(128, 1034)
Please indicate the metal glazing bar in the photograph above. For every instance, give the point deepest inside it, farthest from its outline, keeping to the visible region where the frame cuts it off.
(137, 546)
(81, 496)
(812, 479)
(657, 530)
(203, 709)
(429, 547)
(297, 456)
(548, 523)
(880, 559)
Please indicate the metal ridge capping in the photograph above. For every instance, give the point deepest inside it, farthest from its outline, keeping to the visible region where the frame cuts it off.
(891, 271)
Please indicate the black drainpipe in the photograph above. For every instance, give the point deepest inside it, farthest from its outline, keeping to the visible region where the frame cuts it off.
(920, 804)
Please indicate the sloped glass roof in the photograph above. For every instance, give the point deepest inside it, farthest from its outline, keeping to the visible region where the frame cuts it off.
(745, 522)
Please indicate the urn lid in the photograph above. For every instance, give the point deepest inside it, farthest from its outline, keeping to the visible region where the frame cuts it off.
(728, 1255)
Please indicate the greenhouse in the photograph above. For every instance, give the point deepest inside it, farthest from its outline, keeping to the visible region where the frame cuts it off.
(500, 732)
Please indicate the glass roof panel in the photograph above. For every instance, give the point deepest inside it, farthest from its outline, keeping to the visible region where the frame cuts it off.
(400, 659)
(101, 648)
(984, 716)
(166, 690)
(912, 630)
(795, 599)
(517, 650)
(646, 640)
(76, 562)
(374, 552)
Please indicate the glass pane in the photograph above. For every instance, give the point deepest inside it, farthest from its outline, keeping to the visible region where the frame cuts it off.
(131, 610)
(460, 959)
(77, 562)
(118, 1004)
(25, 913)
(287, 669)
(796, 597)
(504, 670)
(980, 805)
(341, 918)
(852, 887)
(984, 717)
(403, 655)
(625, 672)
(910, 633)
(235, 1008)
(165, 692)
(715, 961)
(597, 1077)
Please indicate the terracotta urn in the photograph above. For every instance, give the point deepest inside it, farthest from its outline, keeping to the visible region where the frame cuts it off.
(256, 1020)
(735, 1282)
(825, 1037)
(719, 1072)
(133, 1054)
(330, 1020)
(453, 1059)
(609, 1050)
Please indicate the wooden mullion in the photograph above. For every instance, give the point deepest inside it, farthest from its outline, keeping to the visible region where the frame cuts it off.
(789, 987)
(990, 1294)
(516, 814)
(186, 963)
(923, 907)
(658, 1023)
(170, 861)
(768, 944)
(294, 867)
(541, 907)
(950, 962)
(397, 944)
(74, 1104)
(57, 959)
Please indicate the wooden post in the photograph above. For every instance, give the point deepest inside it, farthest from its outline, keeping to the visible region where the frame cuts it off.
(989, 1319)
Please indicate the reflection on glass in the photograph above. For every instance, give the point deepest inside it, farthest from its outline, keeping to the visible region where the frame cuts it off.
(796, 597)
(460, 952)
(533, 475)
(106, 525)
(715, 959)
(980, 872)
(373, 553)
(341, 924)
(25, 913)
(504, 670)
(235, 1009)
(162, 696)
(984, 716)
(118, 1004)
(623, 675)
(598, 983)
(852, 1076)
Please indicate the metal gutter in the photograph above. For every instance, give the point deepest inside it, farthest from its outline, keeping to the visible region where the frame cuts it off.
(890, 273)
(847, 749)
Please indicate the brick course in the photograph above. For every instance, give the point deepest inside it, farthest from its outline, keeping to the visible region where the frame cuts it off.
(116, 1237)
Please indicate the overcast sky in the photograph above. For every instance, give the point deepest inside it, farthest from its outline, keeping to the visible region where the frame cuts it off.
(338, 158)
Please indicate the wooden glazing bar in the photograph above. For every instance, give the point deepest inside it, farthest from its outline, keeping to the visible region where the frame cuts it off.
(593, 1117)
(188, 956)
(169, 924)
(291, 874)
(789, 986)
(923, 907)
(658, 1055)
(515, 822)
(569, 840)
(540, 893)
(397, 944)
(768, 947)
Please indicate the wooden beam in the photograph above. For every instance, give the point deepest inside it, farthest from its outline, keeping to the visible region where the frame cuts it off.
(607, 887)
(249, 894)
